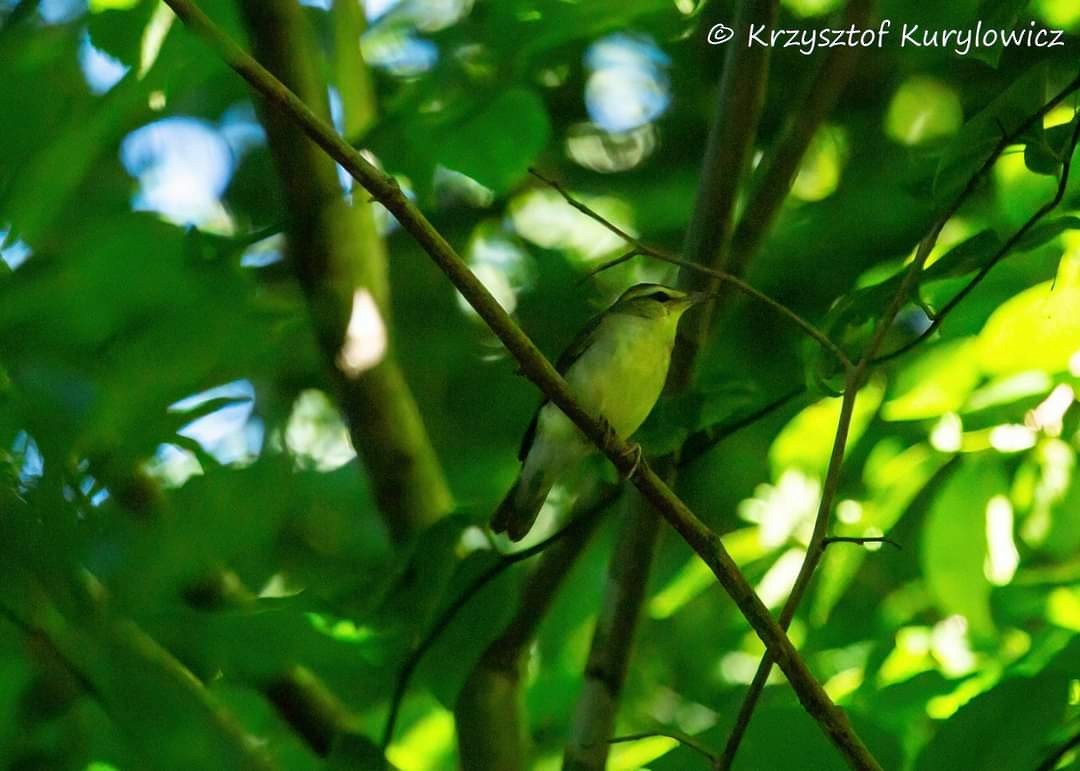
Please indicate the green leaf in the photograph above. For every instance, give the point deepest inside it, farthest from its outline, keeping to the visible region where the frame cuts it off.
(998, 14)
(675, 418)
(937, 382)
(954, 545)
(1040, 157)
(893, 479)
(1045, 153)
(458, 648)
(47, 180)
(1038, 329)
(966, 257)
(785, 737)
(1046, 231)
(974, 143)
(806, 441)
(117, 27)
(497, 145)
(421, 582)
(97, 6)
(1004, 728)
(356, 753)
(850, 324)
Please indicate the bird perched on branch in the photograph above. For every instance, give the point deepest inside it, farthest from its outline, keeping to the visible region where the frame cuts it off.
(616, 369)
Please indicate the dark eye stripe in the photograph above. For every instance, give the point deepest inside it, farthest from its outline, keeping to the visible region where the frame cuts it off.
(660, 297)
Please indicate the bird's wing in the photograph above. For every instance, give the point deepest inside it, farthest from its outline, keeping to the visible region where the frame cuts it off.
(572, 353)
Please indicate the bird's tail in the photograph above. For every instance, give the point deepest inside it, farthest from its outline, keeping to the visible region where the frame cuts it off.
(519, 509)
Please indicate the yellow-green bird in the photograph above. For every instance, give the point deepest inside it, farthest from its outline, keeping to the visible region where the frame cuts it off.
(616, 369)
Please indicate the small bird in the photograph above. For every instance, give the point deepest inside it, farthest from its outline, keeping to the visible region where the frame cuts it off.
(616, 368)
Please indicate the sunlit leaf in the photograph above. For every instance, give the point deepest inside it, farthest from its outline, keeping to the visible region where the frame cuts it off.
(806, 441)
(953, 542)
(937, 382)
(1037, 329)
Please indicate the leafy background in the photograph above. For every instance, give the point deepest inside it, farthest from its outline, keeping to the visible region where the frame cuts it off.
(164, 414)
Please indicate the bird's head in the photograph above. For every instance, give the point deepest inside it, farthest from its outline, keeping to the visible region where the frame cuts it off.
(655, 301)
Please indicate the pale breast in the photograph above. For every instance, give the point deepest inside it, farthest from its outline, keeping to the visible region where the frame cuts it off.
(622, 373)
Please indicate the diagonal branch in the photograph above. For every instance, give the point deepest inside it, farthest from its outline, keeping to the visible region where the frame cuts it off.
(773, 182)
(539, 370)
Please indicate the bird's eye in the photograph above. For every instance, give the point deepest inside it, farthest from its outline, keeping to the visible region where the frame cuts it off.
(660, 297)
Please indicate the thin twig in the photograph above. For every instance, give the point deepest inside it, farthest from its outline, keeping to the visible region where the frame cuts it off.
(862, 541)
(440, 625)
(700, 442)
(816, 548)
(669, 733)
(704, 541)
(625, 257)
(1002, 252)
(639, 247)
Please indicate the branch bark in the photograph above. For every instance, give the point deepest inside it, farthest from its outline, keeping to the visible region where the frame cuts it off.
(490, 709)
(770, 189)
(138, 683)
(539, 370)
(335, 252)
(302, 700)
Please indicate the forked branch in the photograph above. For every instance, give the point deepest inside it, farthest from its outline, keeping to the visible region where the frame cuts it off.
(820, 540)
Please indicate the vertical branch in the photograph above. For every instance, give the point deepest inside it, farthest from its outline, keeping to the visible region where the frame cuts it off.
(728, 152)
(727, 156)
(609, 652)
(773, 183)
(338, 256)
(350, 71)
(490, 709)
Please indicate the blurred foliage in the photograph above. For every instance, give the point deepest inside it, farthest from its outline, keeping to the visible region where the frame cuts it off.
(168, 451)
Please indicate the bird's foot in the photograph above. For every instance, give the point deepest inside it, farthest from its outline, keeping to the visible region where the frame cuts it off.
(634, 451)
